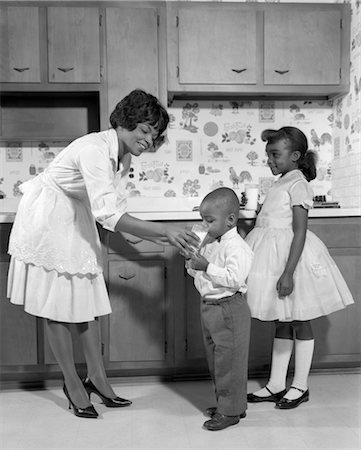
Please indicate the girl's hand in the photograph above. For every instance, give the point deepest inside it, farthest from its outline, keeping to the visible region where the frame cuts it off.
(198, 262)
(181, 238)
(284, 285)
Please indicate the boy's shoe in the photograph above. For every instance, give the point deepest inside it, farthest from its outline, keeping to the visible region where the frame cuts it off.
(252, 398)
(220, 421)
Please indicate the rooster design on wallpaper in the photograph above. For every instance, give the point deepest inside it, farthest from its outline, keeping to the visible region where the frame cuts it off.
(244, 176)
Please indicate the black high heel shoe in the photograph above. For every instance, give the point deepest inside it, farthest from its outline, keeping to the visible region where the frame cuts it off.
(116, 402)
(87, 413)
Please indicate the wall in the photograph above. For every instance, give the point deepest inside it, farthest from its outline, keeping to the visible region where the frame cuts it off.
(214, 143)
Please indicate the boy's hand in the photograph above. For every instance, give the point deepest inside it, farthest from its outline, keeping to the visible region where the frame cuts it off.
(198, 262)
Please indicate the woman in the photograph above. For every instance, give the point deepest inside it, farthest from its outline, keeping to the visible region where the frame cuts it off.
(55, 268)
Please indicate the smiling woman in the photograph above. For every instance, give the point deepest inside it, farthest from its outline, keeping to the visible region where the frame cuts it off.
(56, 257)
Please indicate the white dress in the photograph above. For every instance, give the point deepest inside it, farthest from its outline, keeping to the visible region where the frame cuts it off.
(319, 288)
(56, 256)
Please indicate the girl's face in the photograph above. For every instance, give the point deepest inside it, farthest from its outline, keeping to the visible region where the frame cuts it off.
(138, 140)
(214, 218)
(280, 158)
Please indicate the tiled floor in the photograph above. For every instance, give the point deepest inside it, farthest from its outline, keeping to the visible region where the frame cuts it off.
(169, 416)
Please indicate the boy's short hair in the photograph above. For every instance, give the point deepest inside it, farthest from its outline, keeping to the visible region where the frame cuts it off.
(139, 107)
(225, 197)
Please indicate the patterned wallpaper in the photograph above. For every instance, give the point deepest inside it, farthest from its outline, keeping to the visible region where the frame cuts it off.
(217, 143)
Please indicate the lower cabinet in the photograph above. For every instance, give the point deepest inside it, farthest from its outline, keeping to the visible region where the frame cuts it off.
(155, 329)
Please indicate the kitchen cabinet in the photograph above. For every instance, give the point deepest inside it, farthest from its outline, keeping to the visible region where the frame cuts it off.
(302, 46)
(73, 44)
(42, 45)
(139, 328)
(135, 50)
(257, 49)
(20, 44)
(18, 330)
(217, 45)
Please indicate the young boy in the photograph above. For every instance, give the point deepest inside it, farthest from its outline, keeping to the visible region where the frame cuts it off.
(220, 269)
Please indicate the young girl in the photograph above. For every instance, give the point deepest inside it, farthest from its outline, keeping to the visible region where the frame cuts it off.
(293, 278)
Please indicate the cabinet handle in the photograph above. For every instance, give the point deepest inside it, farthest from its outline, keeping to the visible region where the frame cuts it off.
(238, 70)
(65, 69)
(126, 277)
(21, 69)
(281, 72)
(134, 241)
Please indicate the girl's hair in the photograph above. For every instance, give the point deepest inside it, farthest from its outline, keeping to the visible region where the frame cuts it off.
(139, 107)
(297, 142)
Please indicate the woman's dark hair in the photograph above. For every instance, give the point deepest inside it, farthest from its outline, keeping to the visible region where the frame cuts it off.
(139, 107)
(297, 142)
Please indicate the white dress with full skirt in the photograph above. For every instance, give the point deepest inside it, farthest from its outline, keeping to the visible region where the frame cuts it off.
(56, 255)
(319, 287)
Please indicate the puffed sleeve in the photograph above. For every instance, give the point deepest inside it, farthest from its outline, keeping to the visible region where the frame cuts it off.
(107, 203)
(301, 194)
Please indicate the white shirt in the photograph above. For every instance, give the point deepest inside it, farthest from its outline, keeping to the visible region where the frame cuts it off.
(229, 264)
(87, 170)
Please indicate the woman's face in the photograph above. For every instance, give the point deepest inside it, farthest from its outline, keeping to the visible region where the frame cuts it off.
(138, 140)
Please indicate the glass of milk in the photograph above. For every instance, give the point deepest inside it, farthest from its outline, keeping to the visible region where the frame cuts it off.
(201, 231)
(251, 191)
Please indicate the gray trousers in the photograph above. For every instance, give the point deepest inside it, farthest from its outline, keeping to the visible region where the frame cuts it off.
(226, 325)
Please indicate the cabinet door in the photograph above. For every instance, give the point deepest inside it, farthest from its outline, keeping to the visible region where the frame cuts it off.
(19, 44)
(73, 45)
(132, 51)
(302, 46)
(137, 325)
(18, 342)
(216, 45)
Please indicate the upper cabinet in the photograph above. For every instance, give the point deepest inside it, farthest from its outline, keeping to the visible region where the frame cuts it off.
(50, 44)
(73, 45)
(258, 49)
(216, 46)
(302, 46)
(135, 51)
(20, 44)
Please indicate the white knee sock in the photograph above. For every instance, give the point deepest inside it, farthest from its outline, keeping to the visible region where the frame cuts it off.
(281, 355)
(303, 360)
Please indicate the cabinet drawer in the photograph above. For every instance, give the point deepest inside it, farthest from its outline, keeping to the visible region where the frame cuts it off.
(127, 244)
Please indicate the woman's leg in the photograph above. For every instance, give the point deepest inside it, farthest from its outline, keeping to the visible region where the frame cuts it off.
(281, 355)
(304, 346)
(61, 344)
(89, 333)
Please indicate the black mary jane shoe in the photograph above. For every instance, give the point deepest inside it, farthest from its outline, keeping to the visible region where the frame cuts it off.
(253, 398)
(116, 402)
(86, 413)
(285, 403)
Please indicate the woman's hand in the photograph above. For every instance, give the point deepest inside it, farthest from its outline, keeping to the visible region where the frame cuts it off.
(181, 238)
(284, 285)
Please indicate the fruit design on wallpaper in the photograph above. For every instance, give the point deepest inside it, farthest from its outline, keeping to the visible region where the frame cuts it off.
(191, 188)
(296, 112)
(157, 175)
(235, 179)
(16, 190)
(215, 153)
(241, 134)
(189, 116)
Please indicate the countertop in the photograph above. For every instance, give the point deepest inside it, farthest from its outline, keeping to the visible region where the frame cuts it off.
(176, 209)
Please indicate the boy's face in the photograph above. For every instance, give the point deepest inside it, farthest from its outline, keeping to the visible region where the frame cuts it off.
(215, 217)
